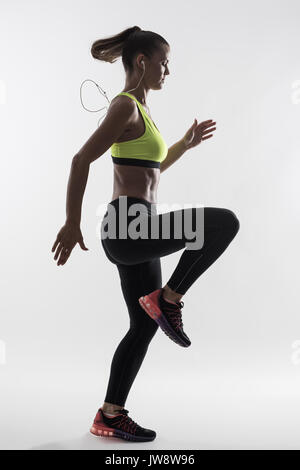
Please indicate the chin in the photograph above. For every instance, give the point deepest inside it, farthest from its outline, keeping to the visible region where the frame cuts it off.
(158, 85)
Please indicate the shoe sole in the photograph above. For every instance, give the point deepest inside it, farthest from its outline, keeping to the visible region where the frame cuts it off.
(157, 315)
(112, 432)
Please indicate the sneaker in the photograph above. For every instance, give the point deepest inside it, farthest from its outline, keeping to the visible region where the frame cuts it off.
(120, 426)
(167, 315)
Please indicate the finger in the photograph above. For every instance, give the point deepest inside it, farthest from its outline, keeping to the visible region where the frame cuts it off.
(204, 122)
(58, 251)
(207, 137)
(55, 244)
(209, 130)
(64, 256)
(206, 126)
(82, 245)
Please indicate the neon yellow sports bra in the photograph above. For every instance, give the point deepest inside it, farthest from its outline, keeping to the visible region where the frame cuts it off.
(148, 150)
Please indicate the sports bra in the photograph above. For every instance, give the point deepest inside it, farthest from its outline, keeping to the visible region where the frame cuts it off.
(149, 150)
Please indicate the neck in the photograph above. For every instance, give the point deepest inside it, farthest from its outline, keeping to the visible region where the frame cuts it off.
(139, 94)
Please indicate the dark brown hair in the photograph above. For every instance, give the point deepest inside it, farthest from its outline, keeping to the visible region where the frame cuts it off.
(127, 45)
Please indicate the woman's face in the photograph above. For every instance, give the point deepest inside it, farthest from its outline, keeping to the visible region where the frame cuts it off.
(159, 67)
(156, 68)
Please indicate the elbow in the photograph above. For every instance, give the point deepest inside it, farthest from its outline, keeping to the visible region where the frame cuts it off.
(75, 159)
(78, 160)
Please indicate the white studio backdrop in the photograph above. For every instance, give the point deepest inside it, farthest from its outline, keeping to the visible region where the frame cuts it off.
(235, 62)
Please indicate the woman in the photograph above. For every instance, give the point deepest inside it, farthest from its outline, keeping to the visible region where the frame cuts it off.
(139, 155)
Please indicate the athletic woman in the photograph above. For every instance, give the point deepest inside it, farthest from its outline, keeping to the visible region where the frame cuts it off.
(139, 155)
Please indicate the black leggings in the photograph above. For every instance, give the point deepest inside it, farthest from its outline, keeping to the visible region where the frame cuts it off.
(138, 263)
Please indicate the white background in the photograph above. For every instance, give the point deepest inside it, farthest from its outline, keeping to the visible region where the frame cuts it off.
(237, 386)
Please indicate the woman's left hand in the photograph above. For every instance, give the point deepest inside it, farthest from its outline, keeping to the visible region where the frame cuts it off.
(194, 135)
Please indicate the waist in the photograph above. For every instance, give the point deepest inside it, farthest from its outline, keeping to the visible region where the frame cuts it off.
(128, 201)
(123, 203)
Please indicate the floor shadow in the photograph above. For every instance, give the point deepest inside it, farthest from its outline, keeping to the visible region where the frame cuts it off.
(90, 442)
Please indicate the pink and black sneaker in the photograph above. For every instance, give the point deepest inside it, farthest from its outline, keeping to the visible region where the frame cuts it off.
(167, 315)
(121, 426)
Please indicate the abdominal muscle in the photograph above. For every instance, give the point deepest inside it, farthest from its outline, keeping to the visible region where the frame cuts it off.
(136, 181)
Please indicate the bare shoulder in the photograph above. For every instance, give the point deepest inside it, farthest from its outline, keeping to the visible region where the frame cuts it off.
(118, 118)
(125, 106)
(124, 101)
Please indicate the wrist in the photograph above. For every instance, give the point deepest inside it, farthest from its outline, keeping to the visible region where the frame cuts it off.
(74, 222)
(184, 145)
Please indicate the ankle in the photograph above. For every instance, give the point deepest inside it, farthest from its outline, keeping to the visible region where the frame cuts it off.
(169, 294)
(111, 408)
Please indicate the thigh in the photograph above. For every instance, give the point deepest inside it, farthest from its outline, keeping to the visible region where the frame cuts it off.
(163, 234)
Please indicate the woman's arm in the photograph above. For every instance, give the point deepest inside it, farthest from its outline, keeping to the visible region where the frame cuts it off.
(192, 137)
(116, 120)
(118, 117)
(75, 191)
(175, 152)
(70, 233)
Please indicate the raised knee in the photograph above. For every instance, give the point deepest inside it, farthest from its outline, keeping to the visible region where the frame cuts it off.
(231, 221)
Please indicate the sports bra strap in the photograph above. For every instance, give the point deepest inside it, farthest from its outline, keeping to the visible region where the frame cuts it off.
(135, 99)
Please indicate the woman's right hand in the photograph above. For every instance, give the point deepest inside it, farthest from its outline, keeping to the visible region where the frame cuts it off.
(66, 239)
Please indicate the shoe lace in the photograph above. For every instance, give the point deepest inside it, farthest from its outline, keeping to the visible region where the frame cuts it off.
(126, 423)
(174, 313)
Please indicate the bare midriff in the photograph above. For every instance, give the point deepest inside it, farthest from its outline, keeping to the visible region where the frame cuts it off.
(135, 181)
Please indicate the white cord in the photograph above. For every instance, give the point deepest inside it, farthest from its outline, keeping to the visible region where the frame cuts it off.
(104, 94)
(101, 91)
